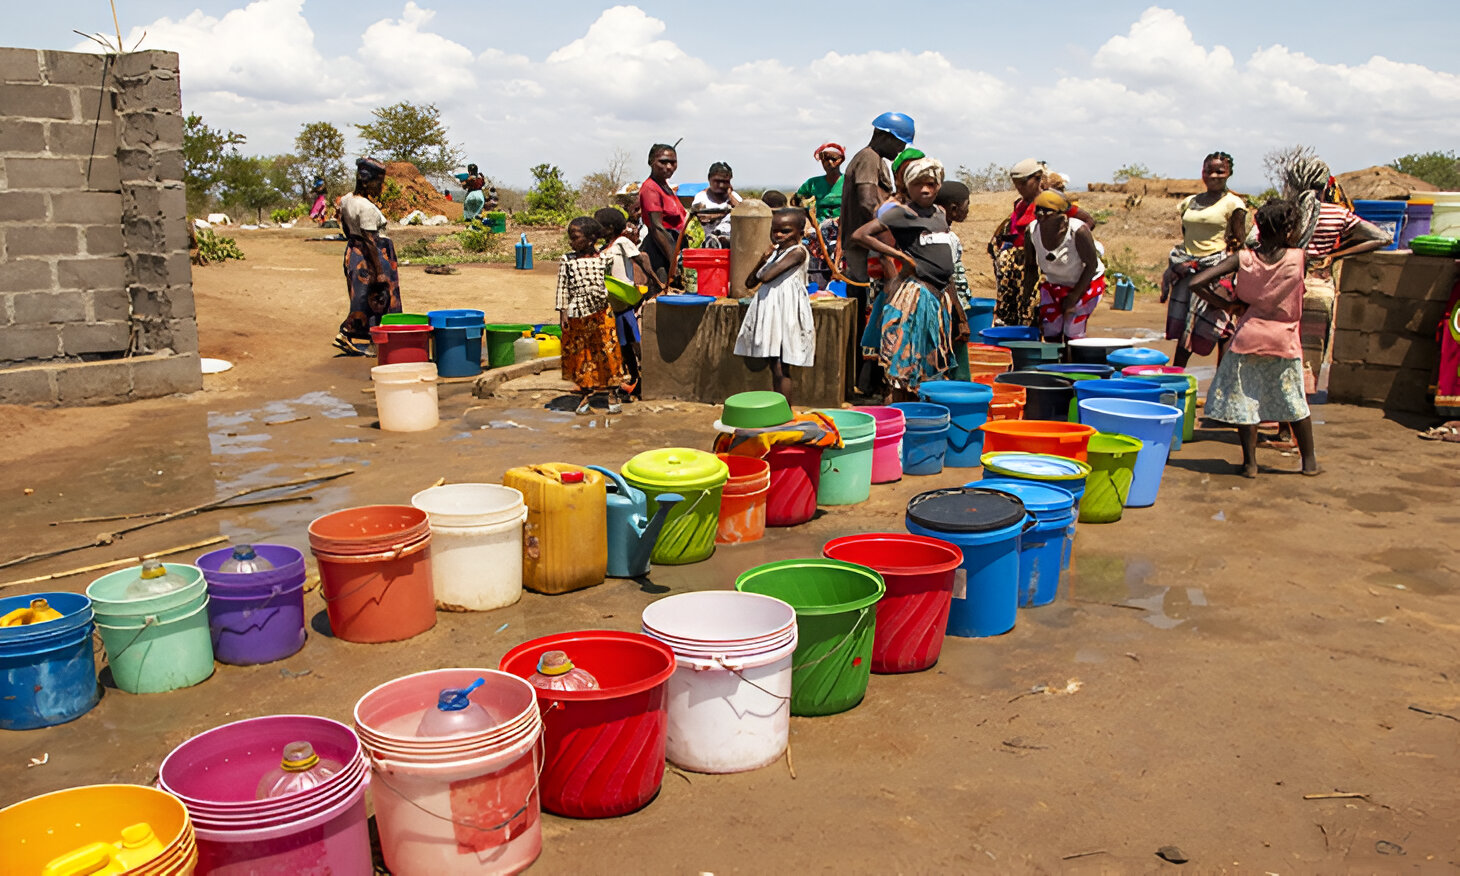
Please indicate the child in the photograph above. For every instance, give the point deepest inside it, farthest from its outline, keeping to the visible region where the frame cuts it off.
(953, 198)
(712, 206)
(620, 255)
(591, 357)
(778, 325)
(1261, 377)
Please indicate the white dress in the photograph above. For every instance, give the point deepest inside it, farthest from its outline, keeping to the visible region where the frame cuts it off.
(778, 321)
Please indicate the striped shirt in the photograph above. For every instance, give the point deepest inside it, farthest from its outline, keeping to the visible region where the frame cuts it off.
(1334, 221)
(581, 291)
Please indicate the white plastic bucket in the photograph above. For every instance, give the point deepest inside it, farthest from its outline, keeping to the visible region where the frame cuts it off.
(1445, 221)
(405, 396)
(476, 544)
(712, 623)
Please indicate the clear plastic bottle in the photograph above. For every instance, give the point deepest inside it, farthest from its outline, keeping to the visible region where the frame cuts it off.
(300, 768)
(556, 672)
(154, 580)
(244, 561)
(455, 713)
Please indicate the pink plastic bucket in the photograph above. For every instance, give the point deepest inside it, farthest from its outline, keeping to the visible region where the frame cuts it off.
(335, 841)
(887, 445)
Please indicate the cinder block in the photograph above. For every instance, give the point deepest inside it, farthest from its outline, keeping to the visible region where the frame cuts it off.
(174, 202)
(149, 302)
(1350, 346)
(26, 386)
(26, 276)
(37, 102)
(142, 200)
(180, 301)
(136, 165)
(93, 273)
(137, 130)
(1359, 384)
(86, 208)
(45, 173)
(170, 127)
(22, 137)
(169, 165)
(1402, 351)
(109, 304)
(133, 65)
(39, 308)
(102, 175)
(80, 139)
(103, 240)
(100, 337)
(94, 382)
(147, 270)
(21, 342)
(154, 376)
(73, 68)
(20, 65)
(184, 335)
(143, 235)
(155, 93)
(22, 206)
(179, 268)
(41, 240)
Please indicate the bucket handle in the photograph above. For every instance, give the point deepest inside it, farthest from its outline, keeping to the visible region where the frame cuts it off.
(735, 670)
(274, 593)
(539, 758)
(839, 645)
(394, 554)
(147, 621)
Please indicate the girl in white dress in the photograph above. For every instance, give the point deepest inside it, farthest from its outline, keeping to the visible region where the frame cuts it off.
(777, 325)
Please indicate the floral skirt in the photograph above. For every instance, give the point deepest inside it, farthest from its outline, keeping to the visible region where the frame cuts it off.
(1249, 389)
(914, 333)
(591, 356)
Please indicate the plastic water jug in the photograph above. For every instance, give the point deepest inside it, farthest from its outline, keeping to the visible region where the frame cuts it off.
(39, 612)
(138, 845)
(565, 539)
(244, 561)
(556, 672)
(456, 714)
(524, 349)
(154, 580)
(1125, 292)
(523, 251)
(299, 769)
(547, 345)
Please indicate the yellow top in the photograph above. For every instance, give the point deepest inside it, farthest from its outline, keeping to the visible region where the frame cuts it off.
(1204, 229)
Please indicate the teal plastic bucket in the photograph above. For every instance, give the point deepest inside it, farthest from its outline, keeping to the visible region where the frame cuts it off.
(968, 408)
(47, 669)
(156, 644)
(836, 621)
(846, 471)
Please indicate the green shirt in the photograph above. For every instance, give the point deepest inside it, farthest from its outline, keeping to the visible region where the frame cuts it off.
(828, 198)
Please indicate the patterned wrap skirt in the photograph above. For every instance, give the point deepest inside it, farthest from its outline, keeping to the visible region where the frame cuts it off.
(591, 356)
(369, 301)
(1249, 389)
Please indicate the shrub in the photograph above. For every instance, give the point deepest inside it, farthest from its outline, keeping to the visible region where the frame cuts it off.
(1132, 171)
(1127, 262)
(479, 239)
(215, 248)
(990, 178)
(284, 214)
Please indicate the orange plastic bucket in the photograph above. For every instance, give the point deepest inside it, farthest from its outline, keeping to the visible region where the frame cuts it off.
(987, 359)
(36, 831)
(378, 597)
(743, 501)
(1069, 440)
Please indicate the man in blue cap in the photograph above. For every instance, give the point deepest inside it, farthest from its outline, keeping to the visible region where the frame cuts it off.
(867, 183)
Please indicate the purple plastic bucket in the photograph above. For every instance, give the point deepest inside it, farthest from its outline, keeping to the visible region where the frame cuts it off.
(256, 617)
(288, 570)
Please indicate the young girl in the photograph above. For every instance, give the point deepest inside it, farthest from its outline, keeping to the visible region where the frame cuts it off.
(1261, 377)
(591, 357)
(777, 325)
(620, 257)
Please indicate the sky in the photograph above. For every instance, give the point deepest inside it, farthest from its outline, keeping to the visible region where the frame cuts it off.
(1086, 86)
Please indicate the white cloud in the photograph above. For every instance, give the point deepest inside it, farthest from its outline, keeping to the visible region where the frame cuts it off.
(1154, 94)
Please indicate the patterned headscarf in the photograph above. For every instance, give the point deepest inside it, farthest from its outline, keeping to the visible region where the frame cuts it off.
(904, 157)
(919, 168)
(1050, 199)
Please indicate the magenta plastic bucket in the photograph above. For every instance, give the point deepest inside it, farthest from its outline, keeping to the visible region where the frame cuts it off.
(887, 443)
(256, 617)
(336, 841)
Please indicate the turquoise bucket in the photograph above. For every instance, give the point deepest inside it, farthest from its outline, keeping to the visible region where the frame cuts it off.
(159, 643)
(846, 471)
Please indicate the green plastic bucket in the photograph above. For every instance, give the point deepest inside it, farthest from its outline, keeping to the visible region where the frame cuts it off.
(496, 220)
(836, 618)
(846, 471)
(1027, 354)
(156, 644)
(405, 319)
(688, 535)
(500, 338)
(1112, 460)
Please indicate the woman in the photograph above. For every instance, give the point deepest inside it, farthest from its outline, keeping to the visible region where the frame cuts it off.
(1213, 224)
(913, 326)
(826, 191)
(475, 199)
(321, 199)
(1016, 302)
(713, 205)
(663, 215)
(371, 279)
(1074, 277)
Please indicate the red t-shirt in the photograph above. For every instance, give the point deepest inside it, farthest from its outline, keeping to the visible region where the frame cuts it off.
(653, 199)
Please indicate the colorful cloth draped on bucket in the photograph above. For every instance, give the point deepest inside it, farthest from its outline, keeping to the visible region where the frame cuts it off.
(369, 301)
(1447, 390)
(809, 429)
(591, 356)
(913, 334)
(1190, 320)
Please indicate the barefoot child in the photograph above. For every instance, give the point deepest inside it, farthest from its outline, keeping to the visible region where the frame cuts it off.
(620, 257)
(591, 357)
(777, 325)
(1261, 377)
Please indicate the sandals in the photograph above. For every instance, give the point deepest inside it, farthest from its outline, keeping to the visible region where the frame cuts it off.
(349, 346)
(1446, 432)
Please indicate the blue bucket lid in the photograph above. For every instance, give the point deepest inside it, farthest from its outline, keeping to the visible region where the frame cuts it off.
(456, 318)
(685, 300)
(937, 390)
(1137, 356)
(965, 509)
(1037, 465)
(1036, 497)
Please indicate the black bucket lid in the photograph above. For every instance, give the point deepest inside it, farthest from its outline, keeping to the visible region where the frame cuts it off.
(965, 509)
(1034, 380)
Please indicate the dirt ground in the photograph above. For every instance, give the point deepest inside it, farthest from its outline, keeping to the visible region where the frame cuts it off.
(1218, 656)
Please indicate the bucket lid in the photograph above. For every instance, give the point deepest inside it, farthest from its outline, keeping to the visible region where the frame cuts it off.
(456, 318)
(965, 509)
(1106, 342)
(1036, 497)
(1039, 466)
(685, 300)
(756, 410)
(677, 468)
(1138, 356)
(1114, 445)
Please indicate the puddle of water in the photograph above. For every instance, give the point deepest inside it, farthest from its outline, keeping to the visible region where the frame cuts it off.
(1129, 581)
(226, 444)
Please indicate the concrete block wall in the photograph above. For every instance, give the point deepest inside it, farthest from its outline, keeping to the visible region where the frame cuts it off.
(1384, 348)
(96, 299)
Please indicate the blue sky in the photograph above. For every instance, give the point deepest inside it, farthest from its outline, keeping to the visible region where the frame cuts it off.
(1088, 86)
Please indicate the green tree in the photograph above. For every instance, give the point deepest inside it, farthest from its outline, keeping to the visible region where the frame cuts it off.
(550, 193)
(1135, 170)
(407, 132)
(320, 148)
(204, 151)
(245, 182)
(292, 176)
(1440, 169)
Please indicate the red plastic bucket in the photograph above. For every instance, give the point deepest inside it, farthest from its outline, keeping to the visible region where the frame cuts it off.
(913, 615)
(712, 270)
(605, 747)
(743, 500)
(795, 478)
(395, 344)
(887, 445)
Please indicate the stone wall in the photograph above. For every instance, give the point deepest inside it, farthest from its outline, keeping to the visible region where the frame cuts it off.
(96, 297)
(1384, 348)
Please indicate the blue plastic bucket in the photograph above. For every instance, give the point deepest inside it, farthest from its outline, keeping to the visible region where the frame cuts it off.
(925, 440)
(47, 670)
(1137, 356)
(1184, 386)
(968, 408)
(980, 315)
(995, 334)
(1043, 547)
(1387, 215)
(986, 525)
(458, 338)
(1151, 423)
(1043, 468)
(1118, 388)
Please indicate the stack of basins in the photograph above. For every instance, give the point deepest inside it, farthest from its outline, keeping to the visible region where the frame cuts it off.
(730, 695)
(216, 775)
(256, 617)
(83, 825)
(465, 803)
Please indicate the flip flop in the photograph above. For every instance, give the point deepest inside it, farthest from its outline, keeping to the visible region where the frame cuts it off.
(346, 346)
(1446, 432)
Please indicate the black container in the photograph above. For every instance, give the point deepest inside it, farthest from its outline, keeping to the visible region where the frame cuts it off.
(1046, 396)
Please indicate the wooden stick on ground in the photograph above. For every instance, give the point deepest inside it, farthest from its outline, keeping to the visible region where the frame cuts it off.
(109, 517)
(106, 538)
(1339, 795)
(96, 567)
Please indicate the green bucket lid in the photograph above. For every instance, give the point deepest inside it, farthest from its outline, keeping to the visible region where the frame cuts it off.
(1034, 466)
(852, 424)
(677, 468)
(1111, 444)
(405, 319)
(756, 410)
(508, 327)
